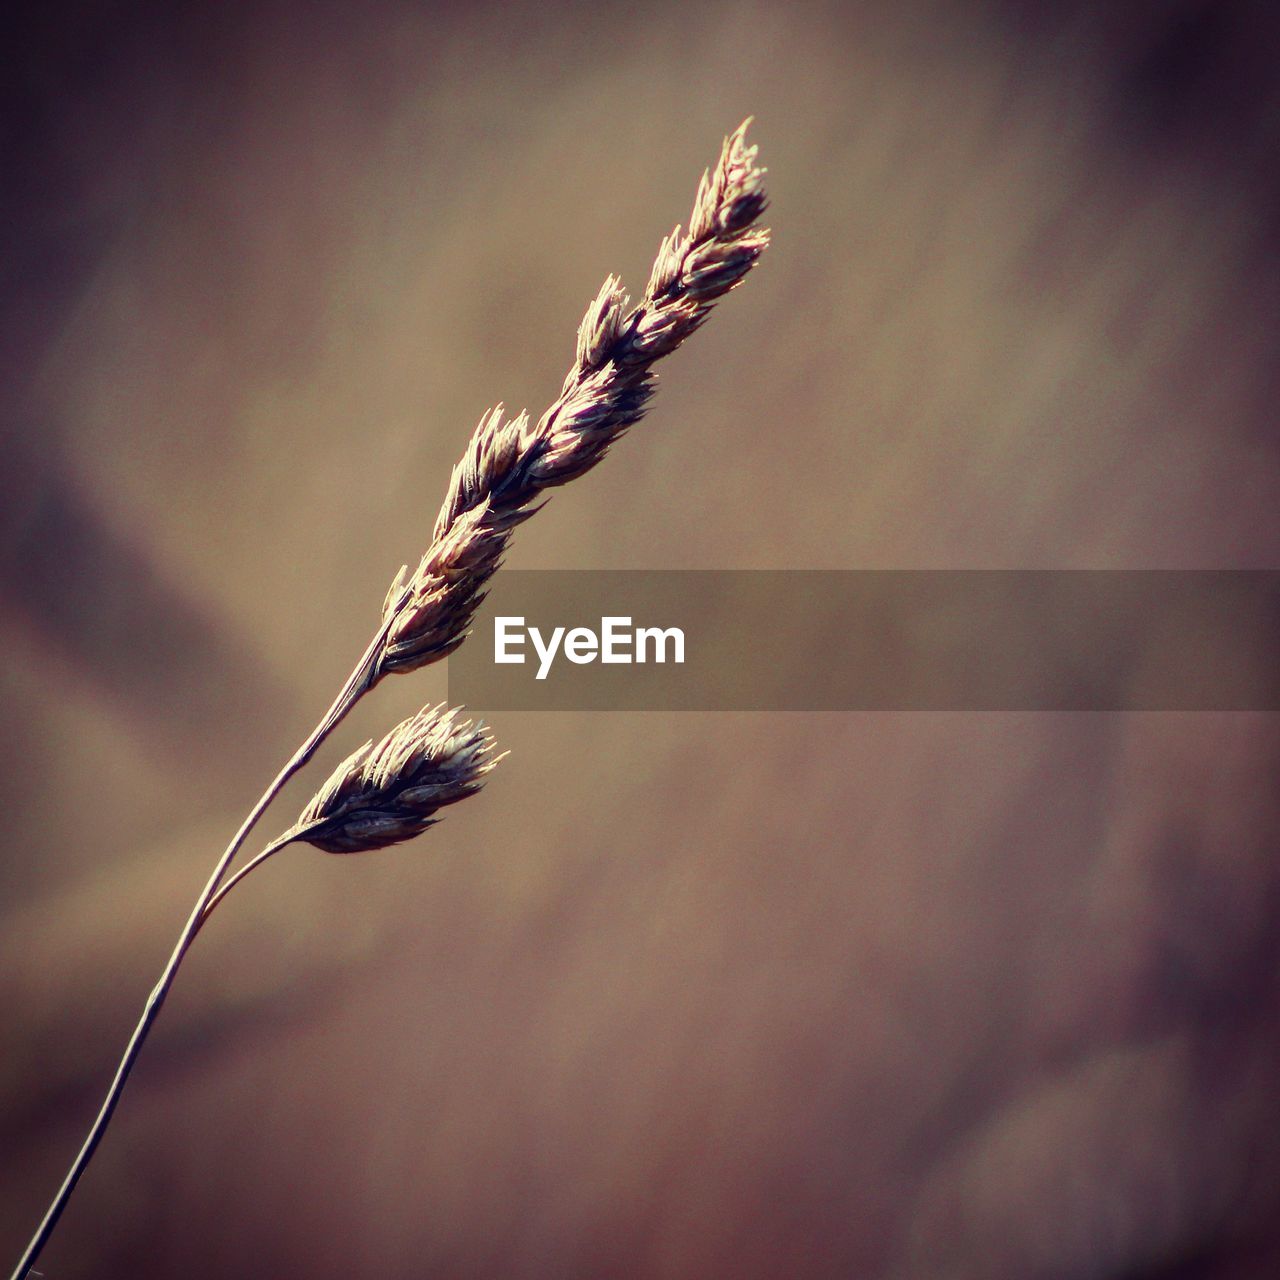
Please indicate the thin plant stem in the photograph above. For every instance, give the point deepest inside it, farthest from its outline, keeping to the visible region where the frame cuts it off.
(357, 684)
(274, 847)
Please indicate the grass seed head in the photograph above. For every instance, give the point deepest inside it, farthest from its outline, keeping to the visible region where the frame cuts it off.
(509, 462)
(383, 794)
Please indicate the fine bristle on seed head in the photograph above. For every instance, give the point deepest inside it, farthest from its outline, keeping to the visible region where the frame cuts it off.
(383, 794)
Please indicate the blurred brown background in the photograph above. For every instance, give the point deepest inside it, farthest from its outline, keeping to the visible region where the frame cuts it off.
(961, 996)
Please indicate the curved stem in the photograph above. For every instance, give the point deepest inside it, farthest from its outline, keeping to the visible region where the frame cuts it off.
(359, 682)
(274, 847)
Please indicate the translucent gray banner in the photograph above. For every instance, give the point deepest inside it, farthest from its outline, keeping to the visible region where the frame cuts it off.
(817, 640)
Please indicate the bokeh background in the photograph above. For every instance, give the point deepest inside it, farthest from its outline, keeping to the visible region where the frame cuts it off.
(877, 995)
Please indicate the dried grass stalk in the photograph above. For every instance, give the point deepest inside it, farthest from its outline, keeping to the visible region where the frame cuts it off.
(381, 795)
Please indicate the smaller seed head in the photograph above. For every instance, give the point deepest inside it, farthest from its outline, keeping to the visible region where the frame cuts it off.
(381, 795)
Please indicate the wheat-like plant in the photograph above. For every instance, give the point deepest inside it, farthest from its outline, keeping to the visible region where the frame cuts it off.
(383, 794)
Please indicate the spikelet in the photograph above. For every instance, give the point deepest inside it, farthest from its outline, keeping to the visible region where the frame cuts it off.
(381, 795)
(509, 462)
